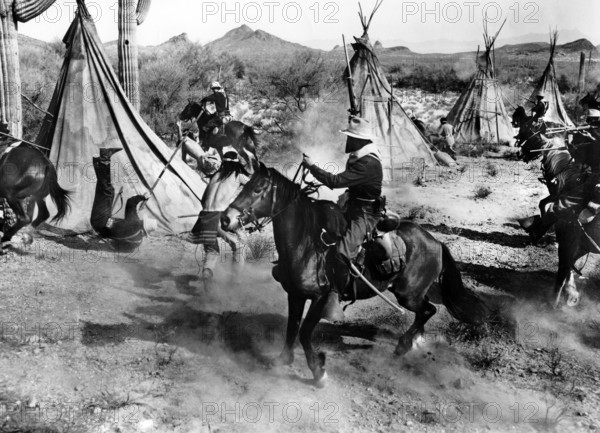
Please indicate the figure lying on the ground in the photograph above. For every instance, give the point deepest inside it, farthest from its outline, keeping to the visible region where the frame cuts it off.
(220, 192)
(124, 234)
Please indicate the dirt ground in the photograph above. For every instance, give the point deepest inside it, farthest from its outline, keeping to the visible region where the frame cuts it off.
(97, 341)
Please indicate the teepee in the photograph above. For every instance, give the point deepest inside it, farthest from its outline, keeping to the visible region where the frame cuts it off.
(556, 114)
(399, 140)
(88, 111)
(479, 115)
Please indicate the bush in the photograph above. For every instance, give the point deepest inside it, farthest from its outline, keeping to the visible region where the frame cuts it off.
(482, 192)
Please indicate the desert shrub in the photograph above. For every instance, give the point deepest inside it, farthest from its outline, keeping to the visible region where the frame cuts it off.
(491, 169)
(482, 192)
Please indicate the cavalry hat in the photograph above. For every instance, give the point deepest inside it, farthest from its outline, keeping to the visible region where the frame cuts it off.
(592, 113)
(215, 85)
(540, 94)
(359, 128)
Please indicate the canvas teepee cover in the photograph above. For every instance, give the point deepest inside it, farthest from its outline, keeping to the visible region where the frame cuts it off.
(556, 114)
(399, 139)
(90, 110)
(480, 114)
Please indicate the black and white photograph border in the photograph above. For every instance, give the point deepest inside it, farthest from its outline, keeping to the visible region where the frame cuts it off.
(299, 216)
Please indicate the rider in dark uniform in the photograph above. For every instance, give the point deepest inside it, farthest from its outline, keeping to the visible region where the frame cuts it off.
(540, 108)
(363, 177)
(581, 202)
(219, 98)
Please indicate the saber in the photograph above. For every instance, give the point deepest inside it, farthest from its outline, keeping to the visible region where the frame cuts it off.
(374, 289)
(163, 171)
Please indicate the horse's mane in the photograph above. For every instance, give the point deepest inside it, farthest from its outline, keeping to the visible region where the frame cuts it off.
(306, 211)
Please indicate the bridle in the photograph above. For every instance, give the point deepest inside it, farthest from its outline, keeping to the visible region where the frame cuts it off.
(248, 216)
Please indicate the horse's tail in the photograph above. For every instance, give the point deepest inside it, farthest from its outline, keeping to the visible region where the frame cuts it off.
(59, 196)
(463, 303)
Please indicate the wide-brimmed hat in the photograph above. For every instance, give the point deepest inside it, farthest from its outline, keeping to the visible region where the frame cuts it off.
(540, 94)
(592, 113)
(359, 128)
(215, 85)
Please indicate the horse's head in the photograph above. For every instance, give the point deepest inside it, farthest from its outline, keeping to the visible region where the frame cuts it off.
(519, 116)
(191, 112)
(256, 200)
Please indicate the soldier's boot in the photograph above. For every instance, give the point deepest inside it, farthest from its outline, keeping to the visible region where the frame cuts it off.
(339, 279)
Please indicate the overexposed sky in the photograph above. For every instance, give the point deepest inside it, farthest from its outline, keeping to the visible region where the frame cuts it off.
(320, 24)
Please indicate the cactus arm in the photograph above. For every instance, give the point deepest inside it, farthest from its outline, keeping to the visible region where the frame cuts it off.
(142, 11)
(25, 10)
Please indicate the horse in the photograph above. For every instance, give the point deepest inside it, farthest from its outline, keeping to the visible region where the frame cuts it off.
(241, 136)
(26, 177)
(590, 101)
(561, 173)
(297, 234)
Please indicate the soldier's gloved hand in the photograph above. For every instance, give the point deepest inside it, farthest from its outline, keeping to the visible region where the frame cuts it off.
(307, 161)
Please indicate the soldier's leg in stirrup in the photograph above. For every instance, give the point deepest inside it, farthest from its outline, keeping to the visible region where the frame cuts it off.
(567, 207)
(339, 278)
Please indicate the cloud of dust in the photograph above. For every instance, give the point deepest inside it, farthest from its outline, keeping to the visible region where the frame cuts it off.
(464, 70)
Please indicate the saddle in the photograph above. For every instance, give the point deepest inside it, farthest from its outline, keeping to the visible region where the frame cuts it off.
(383, 252)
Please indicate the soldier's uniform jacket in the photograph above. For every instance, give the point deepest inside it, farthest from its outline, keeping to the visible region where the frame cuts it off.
(363, 177)
(220, 101)
(540, 109)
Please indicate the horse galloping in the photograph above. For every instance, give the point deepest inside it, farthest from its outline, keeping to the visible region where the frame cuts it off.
(297, 234)
(561, 173)
(26, 178)
(242, 137)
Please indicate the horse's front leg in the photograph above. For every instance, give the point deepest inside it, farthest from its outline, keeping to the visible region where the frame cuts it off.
(565, 277)
(316, 361)
(295, 310)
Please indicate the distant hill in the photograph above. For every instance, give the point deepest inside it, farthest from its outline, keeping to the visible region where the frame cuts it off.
(256, 45)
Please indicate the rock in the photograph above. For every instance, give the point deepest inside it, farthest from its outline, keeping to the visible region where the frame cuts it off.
(459, 383)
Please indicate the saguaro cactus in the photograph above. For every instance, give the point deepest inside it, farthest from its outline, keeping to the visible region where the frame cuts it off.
(12, 12)
(132, 13)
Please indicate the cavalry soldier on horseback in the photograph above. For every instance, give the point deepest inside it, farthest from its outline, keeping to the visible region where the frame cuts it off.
(581, 202)
(222, 114)
(363, 177)
(540, 108)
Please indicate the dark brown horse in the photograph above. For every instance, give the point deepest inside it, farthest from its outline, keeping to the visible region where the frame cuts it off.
(297, 230)
(26, 178)
(561, 173)
(590, 101)
(241, 136)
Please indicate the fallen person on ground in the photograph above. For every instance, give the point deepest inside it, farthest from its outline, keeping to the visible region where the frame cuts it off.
(124, 234)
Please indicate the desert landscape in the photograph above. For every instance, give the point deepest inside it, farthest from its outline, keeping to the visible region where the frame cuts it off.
(94, 339)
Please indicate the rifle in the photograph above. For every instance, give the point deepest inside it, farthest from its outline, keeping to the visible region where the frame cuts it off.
(353, 109)
(569, 129)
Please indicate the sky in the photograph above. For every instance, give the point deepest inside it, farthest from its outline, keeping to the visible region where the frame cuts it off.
(320, 23)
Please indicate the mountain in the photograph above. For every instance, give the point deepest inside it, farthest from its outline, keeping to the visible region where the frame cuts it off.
(256, 45)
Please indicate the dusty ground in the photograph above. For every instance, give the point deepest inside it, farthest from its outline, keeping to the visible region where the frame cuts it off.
(95, 341)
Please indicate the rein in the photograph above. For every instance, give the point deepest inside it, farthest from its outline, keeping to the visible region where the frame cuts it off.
(258, 224)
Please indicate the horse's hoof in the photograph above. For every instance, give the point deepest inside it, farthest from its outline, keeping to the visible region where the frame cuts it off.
(573, 300)
(321, 380)
(402, 350)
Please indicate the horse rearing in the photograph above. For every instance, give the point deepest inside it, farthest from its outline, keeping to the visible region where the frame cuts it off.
(297, 236)
(561, 173)
(26, 178)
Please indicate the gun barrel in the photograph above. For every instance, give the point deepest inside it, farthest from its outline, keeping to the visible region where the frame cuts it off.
(350, 80)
